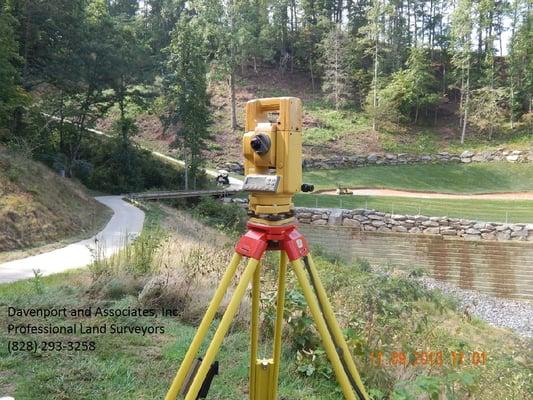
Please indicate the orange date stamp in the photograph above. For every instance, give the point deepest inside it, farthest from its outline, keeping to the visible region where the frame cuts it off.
(454, 359)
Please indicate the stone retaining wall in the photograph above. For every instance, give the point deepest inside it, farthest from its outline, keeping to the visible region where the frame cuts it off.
(375, 221)
(467, 157)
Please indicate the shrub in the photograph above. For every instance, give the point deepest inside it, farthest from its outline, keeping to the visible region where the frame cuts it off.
(227, 217)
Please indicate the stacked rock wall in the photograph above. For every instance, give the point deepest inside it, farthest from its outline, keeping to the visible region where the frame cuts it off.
(375, 221)
(466, 157)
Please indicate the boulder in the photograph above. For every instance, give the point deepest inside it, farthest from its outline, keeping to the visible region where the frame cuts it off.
(399, 228)
(351, 222)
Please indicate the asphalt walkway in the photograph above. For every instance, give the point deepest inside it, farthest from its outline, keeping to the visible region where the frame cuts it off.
(125, 224)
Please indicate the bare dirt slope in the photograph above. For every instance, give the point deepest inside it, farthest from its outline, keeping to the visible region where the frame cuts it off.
(38, 207)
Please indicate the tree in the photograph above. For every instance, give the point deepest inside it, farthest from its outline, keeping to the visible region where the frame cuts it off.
(124, 8)
(520, 60)
(410, 90)
(461, 33)
(12, 96)
(373, 30)
(186, 92)
(335, 80)
(86, 100)
(487, 111)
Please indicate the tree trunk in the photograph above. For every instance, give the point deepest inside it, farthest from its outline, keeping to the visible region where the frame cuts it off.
(27, 42)
(461, 99)
(311, 72)
(186, 169)
(465, 120)
(336, 73)
(375, 95)
(233, 101)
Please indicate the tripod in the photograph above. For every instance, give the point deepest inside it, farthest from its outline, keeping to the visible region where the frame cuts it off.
(194, 375)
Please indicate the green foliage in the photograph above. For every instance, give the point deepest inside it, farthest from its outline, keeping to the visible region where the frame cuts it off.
(37, 282)
(488, 109)
(227, 217)
(453, 385)
(107, 171)
(186, 92)
(335, 82)
(12, 96)
(409, 91)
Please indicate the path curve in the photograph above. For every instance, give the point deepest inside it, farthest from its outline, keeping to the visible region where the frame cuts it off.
(125, 224)
(432, 195)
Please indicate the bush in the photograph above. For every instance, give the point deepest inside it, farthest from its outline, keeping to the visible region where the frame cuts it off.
(227, 217)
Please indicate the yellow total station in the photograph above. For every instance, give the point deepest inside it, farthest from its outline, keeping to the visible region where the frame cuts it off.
(272, 147)
(273, 167)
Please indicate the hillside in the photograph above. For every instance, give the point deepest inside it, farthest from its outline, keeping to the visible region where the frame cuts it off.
(327, 131)
(38, 207)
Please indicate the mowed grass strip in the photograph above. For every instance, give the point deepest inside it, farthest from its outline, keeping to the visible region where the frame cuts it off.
(482, 210)
(443, 178)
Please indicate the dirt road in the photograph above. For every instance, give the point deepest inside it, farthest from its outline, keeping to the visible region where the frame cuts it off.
(430, 195)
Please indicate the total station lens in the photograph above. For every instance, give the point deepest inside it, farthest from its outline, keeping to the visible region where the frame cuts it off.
(260, 144)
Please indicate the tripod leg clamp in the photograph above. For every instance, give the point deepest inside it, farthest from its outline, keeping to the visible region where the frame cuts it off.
(206, 384)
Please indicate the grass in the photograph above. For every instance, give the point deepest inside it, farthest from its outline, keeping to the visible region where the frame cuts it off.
(385, 311)
(331, 124)
(381, 312)
(450, 178)
(38, 207)
(481, 210)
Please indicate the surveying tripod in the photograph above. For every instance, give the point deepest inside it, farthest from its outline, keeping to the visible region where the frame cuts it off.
(272, 153)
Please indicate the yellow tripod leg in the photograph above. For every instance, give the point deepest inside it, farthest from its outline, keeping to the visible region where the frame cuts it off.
(325, 336)
(222, 329)
(204, 327)
(334, 325)
(280, 307)
(254, 334)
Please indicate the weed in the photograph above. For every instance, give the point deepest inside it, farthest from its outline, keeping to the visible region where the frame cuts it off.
(37, 282)
(226, 217)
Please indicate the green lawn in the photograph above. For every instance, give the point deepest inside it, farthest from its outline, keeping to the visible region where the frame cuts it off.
(481, 210)
(452, 178)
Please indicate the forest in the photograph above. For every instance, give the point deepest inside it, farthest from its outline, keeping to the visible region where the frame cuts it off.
(64, 64)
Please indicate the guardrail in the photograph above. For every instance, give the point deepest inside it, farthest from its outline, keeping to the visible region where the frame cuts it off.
(180, 194)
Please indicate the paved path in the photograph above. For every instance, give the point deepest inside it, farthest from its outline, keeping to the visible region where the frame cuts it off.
(126, 223)
(430, 195)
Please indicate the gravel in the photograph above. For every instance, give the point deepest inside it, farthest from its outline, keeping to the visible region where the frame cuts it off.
(503, 313)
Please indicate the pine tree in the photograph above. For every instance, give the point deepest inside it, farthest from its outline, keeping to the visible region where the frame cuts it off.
(335, 80)
(186, 93)
(374, 31)
(461, 36)
(12, 96)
